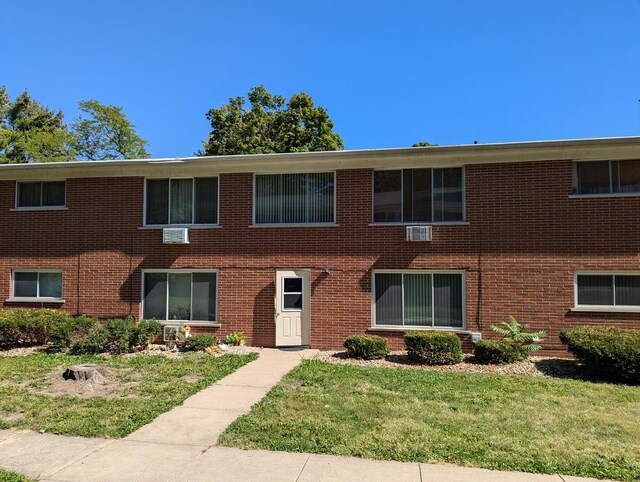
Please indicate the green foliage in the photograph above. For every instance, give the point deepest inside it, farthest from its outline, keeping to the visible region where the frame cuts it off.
(270, 124)
(115, 336)
(31, 132)
(71, 329)
(499, 352)
(145, 332)
(29, 326)
(612, 353)
(7, 476)
(366, 347)
(424, 144)
(235, 338)
(200, 342)
(104, 132)
(94, 342)
(514, 332)
(433, 347)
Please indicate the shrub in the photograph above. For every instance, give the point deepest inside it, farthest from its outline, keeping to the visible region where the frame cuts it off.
(613, 353)
(64, 333)
(498, 352)
(94, 342)
(235, 338)
(200, 342)
(513, 332)
(23, 325)
(145, 332)
(9, 331)
(366, 347)
(433, 347)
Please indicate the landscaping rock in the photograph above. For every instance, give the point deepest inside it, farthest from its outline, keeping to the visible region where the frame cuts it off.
(87, 372)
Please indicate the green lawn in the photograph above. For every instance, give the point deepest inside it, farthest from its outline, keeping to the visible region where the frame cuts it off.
(6, 476)
(542, 425)
(151, 385)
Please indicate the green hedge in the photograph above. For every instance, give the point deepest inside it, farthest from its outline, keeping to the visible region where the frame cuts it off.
(28, 326)
(118, 335)
(366, 347)
(200, 342)
(499, 352)
(433, 347)
(612, 353)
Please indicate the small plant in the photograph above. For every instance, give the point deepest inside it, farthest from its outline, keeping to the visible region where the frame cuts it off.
(68, 331)
(200, 342)
(235, 338)
(498, 352)
(366, 347)
(612, 353)
(433, 347)
(512, 331)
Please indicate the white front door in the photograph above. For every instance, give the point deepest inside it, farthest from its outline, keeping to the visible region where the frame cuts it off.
(292, 304)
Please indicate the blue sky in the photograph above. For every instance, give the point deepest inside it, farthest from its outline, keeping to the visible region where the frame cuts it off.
(390, 73)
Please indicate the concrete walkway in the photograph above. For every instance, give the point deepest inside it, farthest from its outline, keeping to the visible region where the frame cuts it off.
(179, 446)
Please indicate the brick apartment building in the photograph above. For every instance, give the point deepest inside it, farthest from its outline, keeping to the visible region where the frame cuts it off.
(308, 248)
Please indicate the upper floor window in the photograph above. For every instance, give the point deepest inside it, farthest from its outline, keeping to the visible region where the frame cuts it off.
(606, 177)
(294, 198)
(182, 201)
(418, 195)
(603, 289)
(37, 284)
(40, 194)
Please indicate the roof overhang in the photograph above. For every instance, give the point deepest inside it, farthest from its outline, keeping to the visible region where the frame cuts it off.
(407, 157)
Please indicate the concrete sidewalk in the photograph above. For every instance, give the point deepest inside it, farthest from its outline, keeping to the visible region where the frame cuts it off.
(179, 446)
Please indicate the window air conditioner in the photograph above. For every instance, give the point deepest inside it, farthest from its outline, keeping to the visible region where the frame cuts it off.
(175, 236)
(418, 233)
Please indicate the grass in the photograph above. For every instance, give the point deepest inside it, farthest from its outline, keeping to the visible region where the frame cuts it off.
(6, 476)
(159, 386)
(540, 425)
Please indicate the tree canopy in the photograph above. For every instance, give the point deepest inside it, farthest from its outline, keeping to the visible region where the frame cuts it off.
(424, 144)
(104, 132)
(31, 132)
(268, 123)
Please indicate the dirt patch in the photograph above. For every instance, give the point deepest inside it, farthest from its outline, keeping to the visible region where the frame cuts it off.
(12, 416)
(536, 367)
(191, 378)
(23, 350)
(110, 387)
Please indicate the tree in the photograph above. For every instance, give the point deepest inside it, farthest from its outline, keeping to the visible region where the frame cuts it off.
(270, 124)
(31, 132)
(104, 132)
(424, 144)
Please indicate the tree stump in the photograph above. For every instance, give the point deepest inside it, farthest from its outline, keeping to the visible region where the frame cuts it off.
(87, 372)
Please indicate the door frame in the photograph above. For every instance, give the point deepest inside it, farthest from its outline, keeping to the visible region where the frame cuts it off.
(305, 314)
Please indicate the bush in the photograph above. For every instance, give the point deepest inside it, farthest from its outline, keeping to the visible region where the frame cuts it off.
(63, 334)
(94, 342)
(235, 338)
(433, 347)
(613, 353)
(499, 352)
(366, 347)
(200, 342)
(23, 325)
(145, 332)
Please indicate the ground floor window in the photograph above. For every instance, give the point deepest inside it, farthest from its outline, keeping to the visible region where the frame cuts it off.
(419, 299)
(180, 295)
(37, 284)
(607, 289)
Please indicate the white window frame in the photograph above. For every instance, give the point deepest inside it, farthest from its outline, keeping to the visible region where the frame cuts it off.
(283, 292)
(60, 207)
(272, 225)
(374, 326)
(37, 298)
(193, 203)
(417, 223)
(179, 322)
(611, 308)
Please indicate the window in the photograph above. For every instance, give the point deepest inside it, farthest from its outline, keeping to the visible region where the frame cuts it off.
(41, 194)
(418, 195)
(412, 299)
(180, 295)
(608, 289)
(294, 198)
(37, 284)
(182, 201)
(606, 177)
(292, 294)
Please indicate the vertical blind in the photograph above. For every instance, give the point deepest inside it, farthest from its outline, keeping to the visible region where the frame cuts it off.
(294, 198)
(608, 289)
(420, 299)
(32, 284)
(180, 296)
(41, 194)
(182, 201)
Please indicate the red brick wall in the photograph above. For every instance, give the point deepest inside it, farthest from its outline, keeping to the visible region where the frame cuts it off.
(525, 239)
